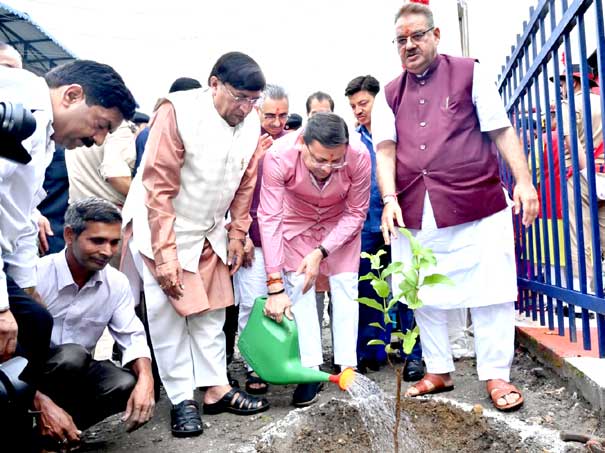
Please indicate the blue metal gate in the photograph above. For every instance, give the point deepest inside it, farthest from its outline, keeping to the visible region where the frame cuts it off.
(560, 276)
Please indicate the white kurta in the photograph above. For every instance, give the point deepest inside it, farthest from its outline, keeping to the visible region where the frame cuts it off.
(478, 256)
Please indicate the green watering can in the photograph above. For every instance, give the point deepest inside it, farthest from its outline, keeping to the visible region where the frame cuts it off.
(271, 349)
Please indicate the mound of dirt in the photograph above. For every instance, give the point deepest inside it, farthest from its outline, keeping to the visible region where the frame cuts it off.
(446, 428)
(337, 427)
(333, 427)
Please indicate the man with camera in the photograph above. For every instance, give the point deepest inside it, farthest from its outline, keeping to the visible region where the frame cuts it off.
(76, 103)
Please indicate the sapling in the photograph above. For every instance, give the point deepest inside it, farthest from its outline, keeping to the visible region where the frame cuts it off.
(413, 278)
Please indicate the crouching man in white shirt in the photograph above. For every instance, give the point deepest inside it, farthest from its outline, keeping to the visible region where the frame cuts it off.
(84, 296)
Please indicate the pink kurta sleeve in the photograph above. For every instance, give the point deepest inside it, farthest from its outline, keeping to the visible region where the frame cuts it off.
(357, 202)
(270, 214)
(240, 206)
(165, 155)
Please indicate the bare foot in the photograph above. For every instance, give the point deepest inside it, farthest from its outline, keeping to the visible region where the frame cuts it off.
(213, 394)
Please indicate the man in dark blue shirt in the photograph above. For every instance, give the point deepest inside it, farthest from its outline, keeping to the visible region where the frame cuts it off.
(53, 207)
(361, 92)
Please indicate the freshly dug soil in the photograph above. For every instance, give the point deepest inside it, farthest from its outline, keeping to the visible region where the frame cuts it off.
(446, 428)
(333, 427)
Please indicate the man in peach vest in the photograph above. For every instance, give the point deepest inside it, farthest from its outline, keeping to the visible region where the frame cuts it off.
(198, 165)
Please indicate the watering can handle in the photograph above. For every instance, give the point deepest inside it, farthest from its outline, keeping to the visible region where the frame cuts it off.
(287, 324)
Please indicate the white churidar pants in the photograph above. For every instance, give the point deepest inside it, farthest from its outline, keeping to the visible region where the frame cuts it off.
(248, 284)
(494, 327)
(189, 351)
(345, 318)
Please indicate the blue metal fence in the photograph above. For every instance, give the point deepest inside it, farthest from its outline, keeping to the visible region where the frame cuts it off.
(559, 265)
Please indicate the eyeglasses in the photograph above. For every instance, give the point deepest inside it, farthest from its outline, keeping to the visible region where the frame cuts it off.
(416, 37)
(241, 99)
(319, 164)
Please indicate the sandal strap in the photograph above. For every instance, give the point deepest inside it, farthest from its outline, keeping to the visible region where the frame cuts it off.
(245, 400)
(184, 414)
(253, 378)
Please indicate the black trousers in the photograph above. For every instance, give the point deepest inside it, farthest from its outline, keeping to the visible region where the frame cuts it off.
(35, 327)
(33, 342)
(87, 389)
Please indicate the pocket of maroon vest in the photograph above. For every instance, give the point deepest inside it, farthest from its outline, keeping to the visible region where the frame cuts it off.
(456, 103)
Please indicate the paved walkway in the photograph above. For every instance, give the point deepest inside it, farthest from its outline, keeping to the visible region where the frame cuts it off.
(582, 369)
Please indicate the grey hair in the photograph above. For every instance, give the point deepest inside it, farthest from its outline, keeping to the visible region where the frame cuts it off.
(91, 209)
(274, 92)
(329, 129)
(416, 8)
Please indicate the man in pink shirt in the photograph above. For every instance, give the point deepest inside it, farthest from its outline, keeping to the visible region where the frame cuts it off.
(313, 203)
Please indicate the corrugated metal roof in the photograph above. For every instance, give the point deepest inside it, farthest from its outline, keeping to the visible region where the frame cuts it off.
(40, 51)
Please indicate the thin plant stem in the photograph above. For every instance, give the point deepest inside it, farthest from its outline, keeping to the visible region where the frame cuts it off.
(397, 412)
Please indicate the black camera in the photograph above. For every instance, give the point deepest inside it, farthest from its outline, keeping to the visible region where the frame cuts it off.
(16, 124)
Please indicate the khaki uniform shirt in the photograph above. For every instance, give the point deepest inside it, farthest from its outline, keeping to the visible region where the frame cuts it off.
(89, 169)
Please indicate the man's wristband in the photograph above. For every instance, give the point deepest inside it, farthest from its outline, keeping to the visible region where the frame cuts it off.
(5, 309)
(275, 293)
(324, 252)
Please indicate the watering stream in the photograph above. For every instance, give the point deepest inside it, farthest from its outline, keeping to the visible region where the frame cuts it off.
(379, 417)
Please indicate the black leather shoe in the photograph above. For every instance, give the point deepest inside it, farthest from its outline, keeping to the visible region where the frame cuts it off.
(364, 365)
(306, 394)
(413, 371)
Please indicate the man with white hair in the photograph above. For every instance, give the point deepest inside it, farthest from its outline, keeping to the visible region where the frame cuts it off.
(249, 281)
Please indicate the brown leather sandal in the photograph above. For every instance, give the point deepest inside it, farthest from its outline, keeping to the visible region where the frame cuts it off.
(498, 388)
(429, 384)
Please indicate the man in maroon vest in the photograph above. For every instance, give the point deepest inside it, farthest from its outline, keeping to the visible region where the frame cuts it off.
(435, 129)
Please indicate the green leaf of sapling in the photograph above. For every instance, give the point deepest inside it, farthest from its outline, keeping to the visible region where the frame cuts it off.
(368, 276)
(377, 325)
(437, 279)
(381, 287)
(371, 303)
(375, 259)
(394, 267)
(409, 340)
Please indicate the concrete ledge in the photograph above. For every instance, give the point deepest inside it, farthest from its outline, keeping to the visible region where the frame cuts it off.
(584, 371)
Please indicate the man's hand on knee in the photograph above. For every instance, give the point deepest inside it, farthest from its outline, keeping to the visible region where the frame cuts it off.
(55, 422)
(8, 335)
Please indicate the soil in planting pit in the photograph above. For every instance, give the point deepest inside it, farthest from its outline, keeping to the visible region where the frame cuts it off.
(337, 427)
(332, 427)
(446, 428)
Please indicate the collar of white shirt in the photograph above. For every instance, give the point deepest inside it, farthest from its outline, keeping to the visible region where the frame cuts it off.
(64, 277)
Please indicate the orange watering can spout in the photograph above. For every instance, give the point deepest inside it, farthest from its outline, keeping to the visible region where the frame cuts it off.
(344, 379)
